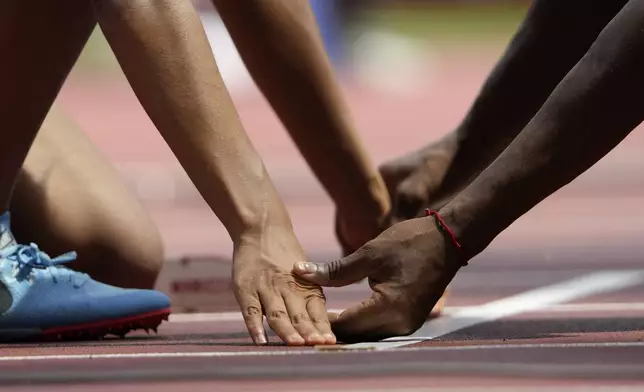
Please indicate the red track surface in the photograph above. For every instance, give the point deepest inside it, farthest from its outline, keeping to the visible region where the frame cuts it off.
(584, 346)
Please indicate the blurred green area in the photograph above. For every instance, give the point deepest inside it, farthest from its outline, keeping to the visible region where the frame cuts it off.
(454, 24)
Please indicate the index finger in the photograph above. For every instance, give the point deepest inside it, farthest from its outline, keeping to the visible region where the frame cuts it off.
(320, 318)
(367, 322)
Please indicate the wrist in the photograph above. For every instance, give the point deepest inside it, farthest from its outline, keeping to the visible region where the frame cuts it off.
(266, 241)
(461, 221)
(256, 223)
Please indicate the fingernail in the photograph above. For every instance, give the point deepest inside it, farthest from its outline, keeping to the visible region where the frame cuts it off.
(260, 339)
(316, 338)
(295, 340)
(329, 338)
(308, 268)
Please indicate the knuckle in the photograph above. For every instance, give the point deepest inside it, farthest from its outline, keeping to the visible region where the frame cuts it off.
(293, 286)
(369, 248)
(299, 286)
(277, 315)
(405, 193)
(281, 279)
(410, 190)
(334, 268)
(252, 310)
(275, 286)
(299, 318)
(319, 320)
(318, 294)
(242, 284)
(314, 294)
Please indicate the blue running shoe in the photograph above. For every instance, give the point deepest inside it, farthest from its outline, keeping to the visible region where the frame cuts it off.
(44, 300)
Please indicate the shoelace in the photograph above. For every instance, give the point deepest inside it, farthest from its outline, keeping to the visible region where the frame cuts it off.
(30, 257)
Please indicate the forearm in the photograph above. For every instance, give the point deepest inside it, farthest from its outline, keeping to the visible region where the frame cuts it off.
(164, 53)
(596, 105)
(280, 44)
(552, 39)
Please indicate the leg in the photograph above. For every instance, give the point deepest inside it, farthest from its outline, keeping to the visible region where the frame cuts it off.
(541, 53)
(38, 51)
(40, 42)
(81, 203)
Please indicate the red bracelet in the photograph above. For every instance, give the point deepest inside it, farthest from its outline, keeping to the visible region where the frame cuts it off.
(442, 225)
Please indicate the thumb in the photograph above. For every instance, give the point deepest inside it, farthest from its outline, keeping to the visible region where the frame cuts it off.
(338, 273)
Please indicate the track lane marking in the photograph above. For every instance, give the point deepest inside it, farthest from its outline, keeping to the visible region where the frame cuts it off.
(528, 301)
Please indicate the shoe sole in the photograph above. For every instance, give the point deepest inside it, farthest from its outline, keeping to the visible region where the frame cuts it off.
(98, 330)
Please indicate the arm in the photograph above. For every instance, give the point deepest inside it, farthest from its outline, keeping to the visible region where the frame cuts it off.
(543, 50)
(281, 46)
(409, 265)
(594, 108)
(167, 60)
(164, 53)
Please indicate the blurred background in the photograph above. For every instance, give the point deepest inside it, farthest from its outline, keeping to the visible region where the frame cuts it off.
(409, 70)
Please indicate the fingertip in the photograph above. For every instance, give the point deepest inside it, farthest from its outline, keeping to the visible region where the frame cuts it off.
(251, 311)
(305, 268)
(330, 338)
(362, 322)
(258, 335)
(295, 340)
(315, 339)
(260, 340)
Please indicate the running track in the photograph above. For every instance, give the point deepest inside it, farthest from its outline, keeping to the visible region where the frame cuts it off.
(576, 326)
(555, 303)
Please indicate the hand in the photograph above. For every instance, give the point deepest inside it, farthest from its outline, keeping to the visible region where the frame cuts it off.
(264, 285)
(416, 181)
(409, 266)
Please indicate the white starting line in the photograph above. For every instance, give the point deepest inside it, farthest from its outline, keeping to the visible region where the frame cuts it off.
(546, 298)
(532, 300)
(447, 311)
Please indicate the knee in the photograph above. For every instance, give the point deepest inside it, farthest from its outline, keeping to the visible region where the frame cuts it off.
(131, 257)
(126, 252)
(140, 258)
